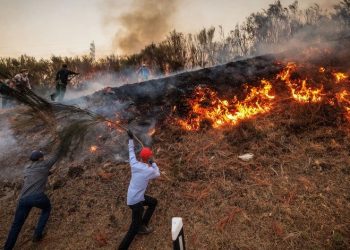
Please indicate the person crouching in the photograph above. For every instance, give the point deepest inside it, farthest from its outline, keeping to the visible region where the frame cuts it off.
(141, 173)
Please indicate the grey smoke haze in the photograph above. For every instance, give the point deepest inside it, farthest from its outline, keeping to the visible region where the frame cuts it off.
(8, 149)
(7, 140)
(145, 22)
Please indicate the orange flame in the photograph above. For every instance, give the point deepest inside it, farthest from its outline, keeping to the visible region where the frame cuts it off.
(344, 99)
(298, 87)
(93, 149)
(207, 106)
(339, 76)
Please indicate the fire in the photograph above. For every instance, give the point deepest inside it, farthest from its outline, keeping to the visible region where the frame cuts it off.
(343, 98)
(302, 84)
(298, 87)
(339, 76)
(207, 106)
(114, 125)
(93, 149)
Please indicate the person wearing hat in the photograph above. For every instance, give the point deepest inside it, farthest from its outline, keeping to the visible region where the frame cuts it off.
(141, 172)
(32, 195)
(61, 82)
(22, 79)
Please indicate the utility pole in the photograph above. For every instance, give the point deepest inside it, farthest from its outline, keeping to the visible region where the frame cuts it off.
(92, 51)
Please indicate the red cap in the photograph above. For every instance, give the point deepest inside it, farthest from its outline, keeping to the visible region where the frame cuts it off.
(146, 153)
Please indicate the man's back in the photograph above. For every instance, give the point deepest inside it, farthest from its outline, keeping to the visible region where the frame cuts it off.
(63, 75)
(141, 173)
(35, 176)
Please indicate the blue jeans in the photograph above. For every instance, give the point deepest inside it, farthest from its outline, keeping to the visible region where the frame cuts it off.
(25, 204)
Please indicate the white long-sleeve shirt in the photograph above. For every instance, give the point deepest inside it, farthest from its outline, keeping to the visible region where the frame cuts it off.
(141, 173)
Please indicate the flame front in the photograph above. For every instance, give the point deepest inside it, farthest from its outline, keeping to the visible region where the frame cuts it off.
(207, 106)
(343, 98)
(298, 87)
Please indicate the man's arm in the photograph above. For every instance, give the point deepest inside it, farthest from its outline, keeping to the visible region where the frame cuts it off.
(72, 73)
(132, 156)
(153, 171)
(49, 163)
(16, 78)
(28, 84)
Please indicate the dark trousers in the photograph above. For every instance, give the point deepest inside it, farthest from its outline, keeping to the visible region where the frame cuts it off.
(60, 91)
(24, 206)
(138, 219)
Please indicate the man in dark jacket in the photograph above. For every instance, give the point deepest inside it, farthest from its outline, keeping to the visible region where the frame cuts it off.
(61, 82)
(32, 195)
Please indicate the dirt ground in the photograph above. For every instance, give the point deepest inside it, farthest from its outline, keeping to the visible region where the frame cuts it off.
(294, 193)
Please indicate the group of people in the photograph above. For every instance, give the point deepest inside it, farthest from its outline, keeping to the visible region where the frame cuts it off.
(22, 80)
(62, 79)
(33, 194)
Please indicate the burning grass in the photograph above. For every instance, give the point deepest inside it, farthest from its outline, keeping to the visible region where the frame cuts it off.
(293, 194)
(304, 84)
(284, 195)
(207, 106)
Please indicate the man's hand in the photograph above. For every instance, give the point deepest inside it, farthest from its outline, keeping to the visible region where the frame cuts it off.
(130, 134)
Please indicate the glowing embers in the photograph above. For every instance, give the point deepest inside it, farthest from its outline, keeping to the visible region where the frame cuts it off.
(340, 76)
(93, 149)
(343, 99)
(207, 107)
(300, 89)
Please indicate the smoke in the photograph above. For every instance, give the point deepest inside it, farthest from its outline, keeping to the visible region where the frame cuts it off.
(323, 36)
(99, 82)
(7, 139)
(145, 22)
(8, 149)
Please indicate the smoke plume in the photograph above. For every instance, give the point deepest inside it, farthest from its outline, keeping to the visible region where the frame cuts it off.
(147, 21)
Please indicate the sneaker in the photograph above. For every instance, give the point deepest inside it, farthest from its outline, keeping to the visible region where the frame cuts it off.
(145, 230)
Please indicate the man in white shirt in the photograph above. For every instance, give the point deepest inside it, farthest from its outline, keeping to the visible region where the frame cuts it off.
(141, 173)
(22, 79)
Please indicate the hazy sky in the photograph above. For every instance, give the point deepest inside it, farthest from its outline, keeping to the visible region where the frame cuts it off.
(66, 27)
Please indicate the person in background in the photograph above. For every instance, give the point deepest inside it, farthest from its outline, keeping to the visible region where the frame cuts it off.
(7, 101)
(61, 82)
(22, 79)
(33, 195)
(143, 72)
(141, 172)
